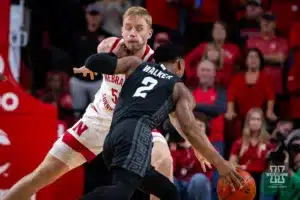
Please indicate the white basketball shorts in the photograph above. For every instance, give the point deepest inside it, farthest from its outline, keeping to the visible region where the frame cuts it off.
(84, 141)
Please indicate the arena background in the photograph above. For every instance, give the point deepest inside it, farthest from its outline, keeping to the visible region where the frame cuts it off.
(28, 126)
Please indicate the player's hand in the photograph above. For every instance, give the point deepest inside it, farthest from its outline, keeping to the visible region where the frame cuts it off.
(84, 71)
(228, 171)
(122, 51)
(203, 161)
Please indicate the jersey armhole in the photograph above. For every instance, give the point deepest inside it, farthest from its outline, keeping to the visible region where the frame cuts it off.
(116, 42)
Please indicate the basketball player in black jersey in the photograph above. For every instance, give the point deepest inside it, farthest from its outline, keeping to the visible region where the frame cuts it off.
(150, 93)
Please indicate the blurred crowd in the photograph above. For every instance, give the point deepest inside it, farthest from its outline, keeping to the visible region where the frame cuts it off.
(242, 66)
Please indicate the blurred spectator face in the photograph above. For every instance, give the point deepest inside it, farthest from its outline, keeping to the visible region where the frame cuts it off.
(253, 10)
(295, 151)
(160, 38)
(93, 18)
(255, 121)
(213, 54)
(219, 32)
(135, 32)
(267, 23)
(285, 127)
(252, 61)
(206, 73)
(54, 82)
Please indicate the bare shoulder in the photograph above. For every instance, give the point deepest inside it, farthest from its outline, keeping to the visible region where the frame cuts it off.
(180, 91)
(106, 44)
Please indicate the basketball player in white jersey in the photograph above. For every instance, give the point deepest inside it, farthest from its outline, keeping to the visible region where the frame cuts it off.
(84, 141)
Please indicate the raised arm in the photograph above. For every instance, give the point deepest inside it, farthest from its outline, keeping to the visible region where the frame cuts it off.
(184, 111)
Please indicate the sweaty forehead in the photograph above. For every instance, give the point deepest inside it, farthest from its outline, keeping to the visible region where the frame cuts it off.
(134, 20)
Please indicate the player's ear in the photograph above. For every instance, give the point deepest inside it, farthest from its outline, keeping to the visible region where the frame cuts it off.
(150, 33)
(180, 66)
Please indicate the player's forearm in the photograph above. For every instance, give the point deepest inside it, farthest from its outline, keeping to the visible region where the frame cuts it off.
(201, 143)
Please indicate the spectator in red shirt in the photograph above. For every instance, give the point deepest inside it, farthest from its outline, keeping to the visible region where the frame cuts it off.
(211, 101)
(200, 21)
(223, 53)
(251, 150)
(248, 25)
(274, 49)
(249, 89)
(190, 179)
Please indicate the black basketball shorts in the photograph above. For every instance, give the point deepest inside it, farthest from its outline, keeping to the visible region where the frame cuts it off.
(129, 145)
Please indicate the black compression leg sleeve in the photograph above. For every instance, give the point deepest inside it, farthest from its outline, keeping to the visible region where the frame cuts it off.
(125, 183)
(159, 185)
(102, 63)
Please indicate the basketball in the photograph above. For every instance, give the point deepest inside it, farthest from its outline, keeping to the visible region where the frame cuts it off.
(247, 192)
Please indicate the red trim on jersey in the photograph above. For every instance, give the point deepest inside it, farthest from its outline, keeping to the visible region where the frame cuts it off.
(146, 52)
(115, 44)
(150, 59)
(73, 143)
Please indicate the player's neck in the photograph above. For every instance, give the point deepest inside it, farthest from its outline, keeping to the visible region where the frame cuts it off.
(140, 52)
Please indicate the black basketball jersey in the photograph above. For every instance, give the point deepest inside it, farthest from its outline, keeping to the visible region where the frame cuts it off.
(146, 95)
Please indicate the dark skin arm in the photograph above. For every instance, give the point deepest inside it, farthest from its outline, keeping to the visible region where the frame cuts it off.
(185, 105)
(125, 65)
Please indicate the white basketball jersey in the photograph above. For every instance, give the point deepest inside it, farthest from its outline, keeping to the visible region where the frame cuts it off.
(107, 96)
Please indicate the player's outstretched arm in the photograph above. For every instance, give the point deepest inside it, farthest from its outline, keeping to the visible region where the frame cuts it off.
(185, 105)
(109, 63)
(203, 161)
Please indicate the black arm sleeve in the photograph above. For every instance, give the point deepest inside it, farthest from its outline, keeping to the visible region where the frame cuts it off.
(102, 63)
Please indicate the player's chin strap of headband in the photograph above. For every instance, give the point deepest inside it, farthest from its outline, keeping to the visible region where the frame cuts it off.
(102, 63)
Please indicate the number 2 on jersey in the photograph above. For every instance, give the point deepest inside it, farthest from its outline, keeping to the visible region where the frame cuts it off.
(149, 83)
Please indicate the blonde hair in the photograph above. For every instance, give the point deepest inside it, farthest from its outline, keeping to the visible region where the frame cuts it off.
(263, 136)
(139, 12)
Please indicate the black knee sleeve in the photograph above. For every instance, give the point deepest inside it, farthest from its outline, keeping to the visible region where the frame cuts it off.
(125, 183)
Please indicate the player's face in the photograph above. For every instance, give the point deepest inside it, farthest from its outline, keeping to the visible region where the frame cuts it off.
(135, 32)
(255, 121)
